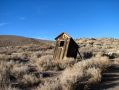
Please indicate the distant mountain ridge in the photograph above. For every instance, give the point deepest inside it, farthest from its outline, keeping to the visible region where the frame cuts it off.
(13, 40)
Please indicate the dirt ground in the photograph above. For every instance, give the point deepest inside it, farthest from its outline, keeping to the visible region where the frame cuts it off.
(110, 80)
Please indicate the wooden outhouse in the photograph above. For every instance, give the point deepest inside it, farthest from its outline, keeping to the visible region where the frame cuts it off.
(65, 47)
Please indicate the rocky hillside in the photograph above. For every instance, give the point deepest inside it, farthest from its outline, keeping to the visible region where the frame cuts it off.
(104, 46)
(106, 43)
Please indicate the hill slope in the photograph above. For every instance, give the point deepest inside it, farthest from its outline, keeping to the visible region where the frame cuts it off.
(12, 40)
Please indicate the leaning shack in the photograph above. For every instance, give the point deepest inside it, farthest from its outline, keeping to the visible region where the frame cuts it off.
(65, 47)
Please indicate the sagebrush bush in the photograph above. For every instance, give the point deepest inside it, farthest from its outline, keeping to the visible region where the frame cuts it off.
(54, 85)
(79, 76)
(5, 73)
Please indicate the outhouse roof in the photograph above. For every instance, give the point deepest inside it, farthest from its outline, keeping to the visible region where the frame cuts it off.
(61, 35)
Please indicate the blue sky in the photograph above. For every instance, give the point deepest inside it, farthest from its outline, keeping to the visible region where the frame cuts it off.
(47, 18)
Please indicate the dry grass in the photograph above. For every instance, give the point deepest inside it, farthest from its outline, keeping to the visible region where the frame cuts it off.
(54, 85)
(32, 67)
(79, 76)
(18, 73)
(74, 74)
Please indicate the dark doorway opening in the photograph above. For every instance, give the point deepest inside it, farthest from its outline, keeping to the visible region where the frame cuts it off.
(61, 43)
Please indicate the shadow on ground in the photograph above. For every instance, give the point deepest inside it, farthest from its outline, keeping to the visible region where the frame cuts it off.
(110, 79)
